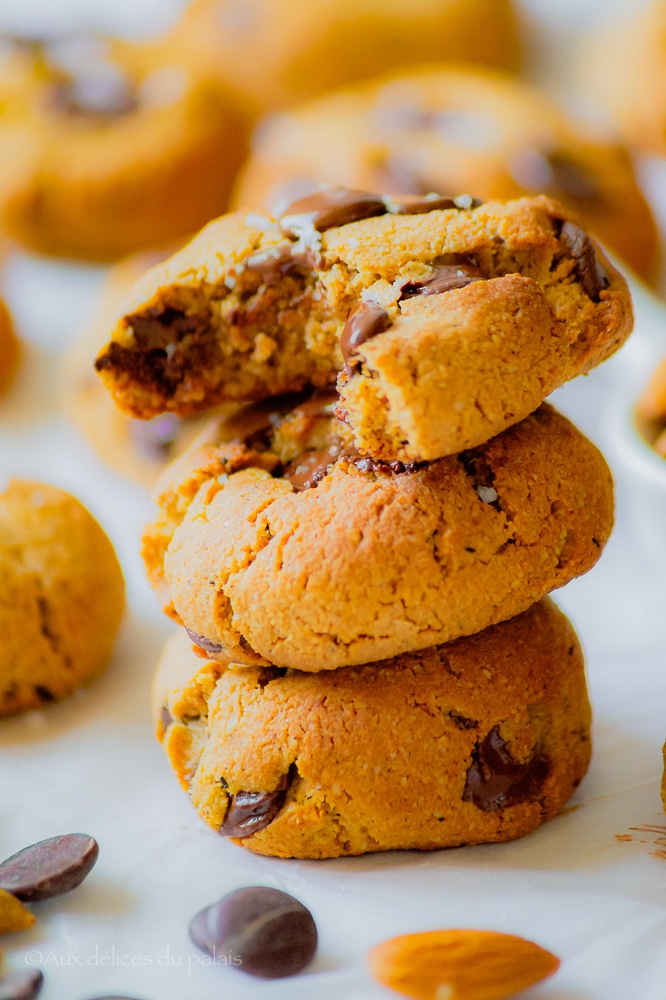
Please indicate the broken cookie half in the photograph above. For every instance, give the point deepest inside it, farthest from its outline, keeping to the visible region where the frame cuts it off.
(443, 321)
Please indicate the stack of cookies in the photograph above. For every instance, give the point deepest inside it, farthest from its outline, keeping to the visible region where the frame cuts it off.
(360, 555)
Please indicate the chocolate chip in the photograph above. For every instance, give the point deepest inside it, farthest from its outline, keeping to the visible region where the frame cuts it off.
(337, 206)
(159, 330)
(554, 173)
(264, 932)
(444, 278)
(309, 468)
(495, 780)
(589, 271)
(166, 717)
(366, 321)
(21, 985)
(203, 642)
(43, 693)
(49, 868)
(250, 812)
(274, 263)
(156, 437)
(419, 204)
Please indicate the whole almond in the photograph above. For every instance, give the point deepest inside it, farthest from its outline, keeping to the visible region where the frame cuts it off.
(460, 965)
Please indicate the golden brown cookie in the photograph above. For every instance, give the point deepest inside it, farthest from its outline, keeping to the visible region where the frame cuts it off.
(107, 148)
(286, 547)
(622, 68)
(473, 742)
(61, 596)
(452, 320)
(136, 448)
(9, 348)
(439, 129)
(276, 53)
(651, 410)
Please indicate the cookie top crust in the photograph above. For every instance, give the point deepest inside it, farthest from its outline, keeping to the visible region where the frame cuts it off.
(256, 307)
(350, 559)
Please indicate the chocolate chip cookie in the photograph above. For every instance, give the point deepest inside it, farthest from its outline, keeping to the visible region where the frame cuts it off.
(476, 741)
(61, 596)
(136, 448)
(447, 320)
(285, 546)
(276, 53)
(441, 129)
(109, 147)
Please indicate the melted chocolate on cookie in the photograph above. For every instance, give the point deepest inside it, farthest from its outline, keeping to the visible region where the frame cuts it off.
(250, 812)
(589, 271)
(445, 277)
(337, 206)
(495, 780)
(365, 322)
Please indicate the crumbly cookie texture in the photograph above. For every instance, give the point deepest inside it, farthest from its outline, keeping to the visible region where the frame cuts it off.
(109, 147)
(276, 53)
(440, 128)
(138, 449)
(287, 548)
(452, 322)
(61, 596)
(476, 741)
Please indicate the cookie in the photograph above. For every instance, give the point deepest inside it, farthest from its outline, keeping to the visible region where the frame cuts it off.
(9, 348)
(651, 411)
(473, 742)
(451, 320)
(139, 449)
(276, 53)
(286, 547)
(107, 148)
(440, 129)
(621, 67)
(61, 596)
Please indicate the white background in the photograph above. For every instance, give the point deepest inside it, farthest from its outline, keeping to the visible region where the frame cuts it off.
(92, 765)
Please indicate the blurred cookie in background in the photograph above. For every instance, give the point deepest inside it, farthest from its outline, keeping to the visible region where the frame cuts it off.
(109, 147)
(138, 449)
(651, 411)
(9, 348)
(279, 52)
(62, 596)
(622, 67)
(453, 130)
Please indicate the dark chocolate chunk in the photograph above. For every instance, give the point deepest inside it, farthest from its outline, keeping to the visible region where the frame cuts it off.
(159, 330)
(337, 206)
(203, 642)
(417, 204)
(445, 277)
(156, 437)
(554, 173)
(495, 780)
(166, 717)
(274, 263)
(262, 931)
(21, 985)
(308, 469)
(49, 868)
(364, 322)
(44, 693)
(589, 271)
(250, 812)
